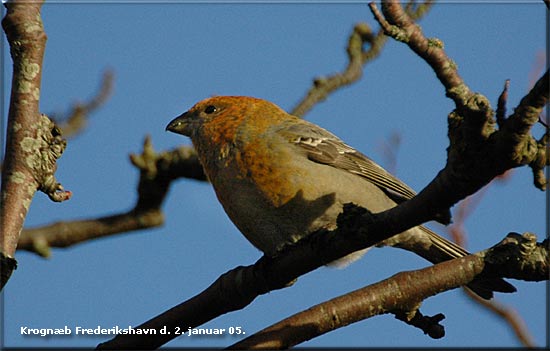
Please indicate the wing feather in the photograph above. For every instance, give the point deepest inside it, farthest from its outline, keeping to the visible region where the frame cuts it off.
(324, 147)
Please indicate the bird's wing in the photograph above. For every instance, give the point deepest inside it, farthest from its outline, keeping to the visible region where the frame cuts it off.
(324, 147)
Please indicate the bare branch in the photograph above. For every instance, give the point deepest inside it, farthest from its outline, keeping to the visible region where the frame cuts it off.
(77, 118)
(65, 234)
(459, 235)
(323, 86)
(157, 171)
(475, 144)
(511, 317)
(398, 25)
(428, 324)
(358, 56)
(239, 287)
(33, 143)
(501, 105)
(527, 150)
(473, 161)
(401, 295)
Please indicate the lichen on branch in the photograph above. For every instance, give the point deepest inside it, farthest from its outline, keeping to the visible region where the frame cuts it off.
(32, 142)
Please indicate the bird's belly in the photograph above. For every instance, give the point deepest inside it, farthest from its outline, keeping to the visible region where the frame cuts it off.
(270, 219)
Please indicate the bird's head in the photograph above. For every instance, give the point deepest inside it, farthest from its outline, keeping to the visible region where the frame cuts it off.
(226, 110)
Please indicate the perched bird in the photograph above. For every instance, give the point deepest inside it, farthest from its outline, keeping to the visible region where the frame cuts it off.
(280, 178)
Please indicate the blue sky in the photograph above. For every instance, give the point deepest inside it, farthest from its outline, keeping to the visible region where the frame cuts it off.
(168, 56)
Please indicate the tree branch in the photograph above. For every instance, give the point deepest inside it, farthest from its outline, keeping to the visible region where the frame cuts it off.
(403, 293)
(477, 151)
(459, 235)
(509, 316)
(65, 234)
(157, 171)
(357, 58)
(33, 143)
(475, 157)
(77, 118)
(401, 27)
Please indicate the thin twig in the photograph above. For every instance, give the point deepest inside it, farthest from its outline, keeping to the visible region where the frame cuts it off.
(358, 56)
(77, 118)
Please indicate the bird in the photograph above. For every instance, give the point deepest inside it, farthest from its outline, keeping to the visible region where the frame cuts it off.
(281, 178)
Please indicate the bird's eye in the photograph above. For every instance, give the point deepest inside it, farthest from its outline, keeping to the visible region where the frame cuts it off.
(210, 109)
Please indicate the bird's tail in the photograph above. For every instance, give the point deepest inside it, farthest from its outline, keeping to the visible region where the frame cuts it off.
(437, 249)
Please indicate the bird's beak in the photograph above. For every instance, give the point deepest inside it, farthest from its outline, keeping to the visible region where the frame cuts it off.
(179, 125)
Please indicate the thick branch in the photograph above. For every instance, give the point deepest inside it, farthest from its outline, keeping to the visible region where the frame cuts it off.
(458, 233)
(516, 140)
(27, 40)
(32, 142)
(403, 293)
(477, 152)
(240, 286)
(471, 165)
(357, 229)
